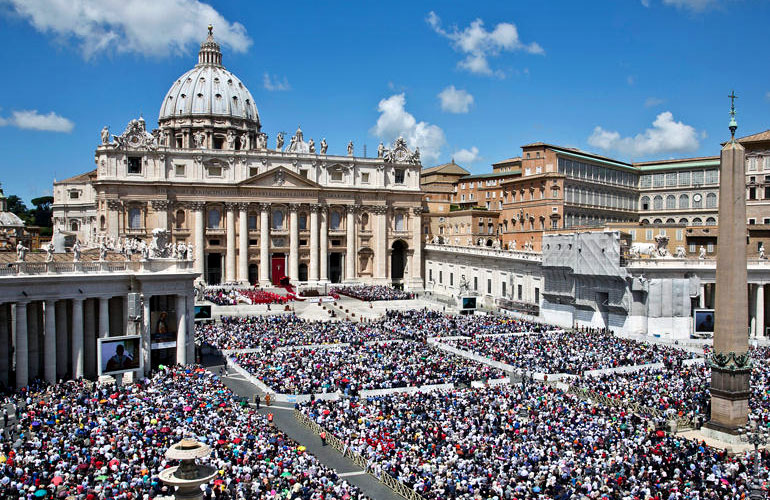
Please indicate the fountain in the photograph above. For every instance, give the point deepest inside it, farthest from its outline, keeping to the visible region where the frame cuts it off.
(188, 476)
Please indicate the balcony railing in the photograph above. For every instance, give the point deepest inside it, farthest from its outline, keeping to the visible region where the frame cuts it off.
(95, 267)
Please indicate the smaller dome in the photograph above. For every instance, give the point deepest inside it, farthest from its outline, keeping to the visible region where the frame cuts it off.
(209, 89)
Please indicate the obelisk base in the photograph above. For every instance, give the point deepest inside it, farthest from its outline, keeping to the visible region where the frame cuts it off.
(729, 399)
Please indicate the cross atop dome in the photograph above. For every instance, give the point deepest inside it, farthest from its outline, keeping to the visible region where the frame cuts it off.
(210, 54)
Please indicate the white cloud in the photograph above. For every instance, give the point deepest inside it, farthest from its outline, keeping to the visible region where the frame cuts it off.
(630, 80)
(694, 5)
(646, 3)
(395, 121)
(455, 101)
(275, 83)
(478, 44)
(665, 136)
(147, 27)
(767, 96)
(466, 155)
(651, 102)
(32, 120)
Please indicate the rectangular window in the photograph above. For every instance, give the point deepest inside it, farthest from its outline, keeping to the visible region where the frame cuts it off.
(304, 172)
(134, 165)
(179, 170)
(691, 248)
(430, 274)
(710, 248)
(648, 235)
(365, 178)
(252, 222)
(684, 178)
(519, 291)
(336, 175)
(712, 176)
(475, 283)
(253, 171)
(252, 243)
(671, 179)
(74, 195)
(752, 221)
(441, 277)
(766, 220)
(489, 286)
(697, 177)
(679, 235)
(645, 181)
(537, 295)
(451, 279)
(503, 289)
(215, 171)
(399, 176)
(657, 180)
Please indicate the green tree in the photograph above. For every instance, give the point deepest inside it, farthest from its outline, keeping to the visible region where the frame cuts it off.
(43, 213)
(16, 205)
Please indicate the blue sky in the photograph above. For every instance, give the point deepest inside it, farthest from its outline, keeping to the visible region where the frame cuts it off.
(632, 79)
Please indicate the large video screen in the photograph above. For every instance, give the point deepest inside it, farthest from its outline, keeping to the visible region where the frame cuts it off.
(469, 302)
(119, 355)
(202, 312)
(704, 321)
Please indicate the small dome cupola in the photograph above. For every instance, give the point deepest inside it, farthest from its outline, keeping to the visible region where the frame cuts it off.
(210, 54)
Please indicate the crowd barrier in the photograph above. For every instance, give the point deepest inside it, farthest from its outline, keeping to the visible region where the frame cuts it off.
(336, 443)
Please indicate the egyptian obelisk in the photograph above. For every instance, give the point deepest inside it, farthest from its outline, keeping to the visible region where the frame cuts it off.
(730, 362)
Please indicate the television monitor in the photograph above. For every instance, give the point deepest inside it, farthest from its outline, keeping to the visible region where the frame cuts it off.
(120, 354)
(703, 321)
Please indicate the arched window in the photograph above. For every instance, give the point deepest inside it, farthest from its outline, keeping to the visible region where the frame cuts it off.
(683, 220)
(711, 221)
(670, 221)
(179, 219)
(670, 201)
(102, 223)
(215, 217)
(645, 203)
(697, 222)
(335, 221)
(278, 218)
(303, 221)
(365, 221)
(657, 202)
(74, 225)
(711, 200)
(134, 218)
(645, 221)
(399, 222)
(657, 221)
(684, 201)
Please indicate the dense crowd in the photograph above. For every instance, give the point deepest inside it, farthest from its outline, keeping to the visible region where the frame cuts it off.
(235, 296)
(87, 442)
(534, 442)
(371, 293)
(568, 352)
(381, 365)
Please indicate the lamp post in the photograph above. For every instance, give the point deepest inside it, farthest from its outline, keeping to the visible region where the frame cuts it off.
(754, 435)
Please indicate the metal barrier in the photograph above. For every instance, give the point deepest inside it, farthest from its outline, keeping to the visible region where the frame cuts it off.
(336, 443)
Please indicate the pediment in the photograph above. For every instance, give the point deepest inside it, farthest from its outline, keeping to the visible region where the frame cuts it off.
(279, 177)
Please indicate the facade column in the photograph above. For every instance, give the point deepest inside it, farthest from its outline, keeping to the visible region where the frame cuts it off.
(77, 338)
(313, 276)
(89, 338)
(104, 317)
(350, 250)
(264, 245)
(22, 346)
(324, 255)
(61, 339)
(243, 243)
(5, 343)
(381, 254)
(415, 271)
(181, 330)
(230, 238)
(293, 243)
(114, 209)
(198, 238)
(35, 336)
(760, 311)
(49, 345)
(146, 334)
(190, 316)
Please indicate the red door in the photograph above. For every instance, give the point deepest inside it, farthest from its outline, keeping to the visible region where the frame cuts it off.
(279, 269)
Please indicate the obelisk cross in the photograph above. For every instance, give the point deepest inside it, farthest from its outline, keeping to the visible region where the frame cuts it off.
(733, 123)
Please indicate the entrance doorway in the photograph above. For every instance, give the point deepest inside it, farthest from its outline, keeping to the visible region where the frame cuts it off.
(278, 267)
(302, 272)
(335, 267)
(398, 260)
(253, 274)
(214, 268)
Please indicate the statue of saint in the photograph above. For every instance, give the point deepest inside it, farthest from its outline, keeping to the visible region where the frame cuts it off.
(279, 141)
(311, 146)
(350, 148)
(380, 150)
(324, 146)
(76, 251)
(49, 248)
(103, 251)
(230, 140)
(21, 252)
(106, 135)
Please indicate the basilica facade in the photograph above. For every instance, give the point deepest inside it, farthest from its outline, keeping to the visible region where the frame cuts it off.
(254, 213)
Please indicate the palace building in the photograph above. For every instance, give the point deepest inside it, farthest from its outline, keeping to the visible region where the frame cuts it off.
(252, 213)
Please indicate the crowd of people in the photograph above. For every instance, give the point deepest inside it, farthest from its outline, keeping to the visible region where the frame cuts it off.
(86, 442)
(568, 352)
(371, 293)
(234, 296)
(531, 442)
(378, 365)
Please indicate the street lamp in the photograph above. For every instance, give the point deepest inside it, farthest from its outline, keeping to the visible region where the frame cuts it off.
(755, 435)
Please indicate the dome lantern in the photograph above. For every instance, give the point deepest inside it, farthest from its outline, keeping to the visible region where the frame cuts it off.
(210, 54)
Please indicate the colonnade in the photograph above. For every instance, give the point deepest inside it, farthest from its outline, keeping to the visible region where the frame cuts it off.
(756, 293)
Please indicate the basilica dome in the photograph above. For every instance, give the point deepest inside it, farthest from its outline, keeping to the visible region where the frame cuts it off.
(209, 90)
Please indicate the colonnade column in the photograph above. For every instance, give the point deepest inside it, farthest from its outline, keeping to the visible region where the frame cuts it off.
(264, 245)
(702, 297)
(190, 341)
(416, 269)
(181, 330)
(243, 243)
(77, 338)
(293, 243)
(230, 237)
(61, 339)
(381, 254)
(22, 346)
(104, 317)
(324, 254)
(313, 276)
(198, 238)
(5, 343)
(49, 346)
(146, 333)
(89, 338)
(350, 251)
(759, 311)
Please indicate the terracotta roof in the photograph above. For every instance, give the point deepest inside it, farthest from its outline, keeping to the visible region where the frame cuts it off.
(576, 151)
(78, 178)
(515, 159)
(760, 137)
(492, 175)
(446, 168)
